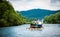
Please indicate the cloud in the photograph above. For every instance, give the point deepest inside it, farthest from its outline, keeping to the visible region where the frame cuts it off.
(32, 4)
(55, 2)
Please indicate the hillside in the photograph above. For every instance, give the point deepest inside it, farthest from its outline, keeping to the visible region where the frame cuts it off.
(53, 18)
(37, 13)
(8, 16)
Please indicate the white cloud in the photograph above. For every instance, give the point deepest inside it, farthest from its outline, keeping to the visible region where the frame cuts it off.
(31, 4)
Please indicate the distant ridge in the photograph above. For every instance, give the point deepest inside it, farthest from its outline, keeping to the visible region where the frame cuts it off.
(37, 13)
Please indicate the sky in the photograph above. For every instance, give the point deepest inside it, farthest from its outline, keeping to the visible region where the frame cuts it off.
(21, 5)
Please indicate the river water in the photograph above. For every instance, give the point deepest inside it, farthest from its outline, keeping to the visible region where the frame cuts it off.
(48, 30)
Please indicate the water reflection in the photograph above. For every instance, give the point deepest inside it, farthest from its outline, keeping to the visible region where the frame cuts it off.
(49, 30)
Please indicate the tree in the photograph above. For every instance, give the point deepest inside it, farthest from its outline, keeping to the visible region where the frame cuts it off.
(53, 18)
(8, 16)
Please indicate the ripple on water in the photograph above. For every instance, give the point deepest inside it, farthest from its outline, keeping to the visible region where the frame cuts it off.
(20, 31)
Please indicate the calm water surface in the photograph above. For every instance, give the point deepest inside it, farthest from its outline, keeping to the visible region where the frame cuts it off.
(49, 30)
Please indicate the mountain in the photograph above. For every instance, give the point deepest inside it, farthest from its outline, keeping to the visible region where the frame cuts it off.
(53, 19)
(8, 16)
(37, 13)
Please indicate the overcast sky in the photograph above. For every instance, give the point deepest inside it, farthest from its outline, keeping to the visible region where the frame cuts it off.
(35, 4)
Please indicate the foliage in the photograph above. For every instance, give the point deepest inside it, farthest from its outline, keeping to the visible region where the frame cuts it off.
(53, 18)
(37, 13)
(8, 16)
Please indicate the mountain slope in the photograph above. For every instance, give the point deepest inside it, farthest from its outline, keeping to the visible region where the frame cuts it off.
(8, 16)
(37, 13)
(52, 19)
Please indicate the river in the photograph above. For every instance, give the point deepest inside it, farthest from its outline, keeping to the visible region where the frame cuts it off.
(48, 30)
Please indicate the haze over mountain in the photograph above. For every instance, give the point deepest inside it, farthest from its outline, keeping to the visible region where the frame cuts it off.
(37, 13)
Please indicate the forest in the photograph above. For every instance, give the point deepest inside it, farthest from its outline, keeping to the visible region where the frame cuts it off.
(8, 16)
(53, 18)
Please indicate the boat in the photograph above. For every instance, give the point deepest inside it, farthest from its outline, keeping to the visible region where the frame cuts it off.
(36, 24)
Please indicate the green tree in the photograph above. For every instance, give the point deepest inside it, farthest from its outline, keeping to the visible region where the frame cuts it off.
(53, 18)
(8, 16)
